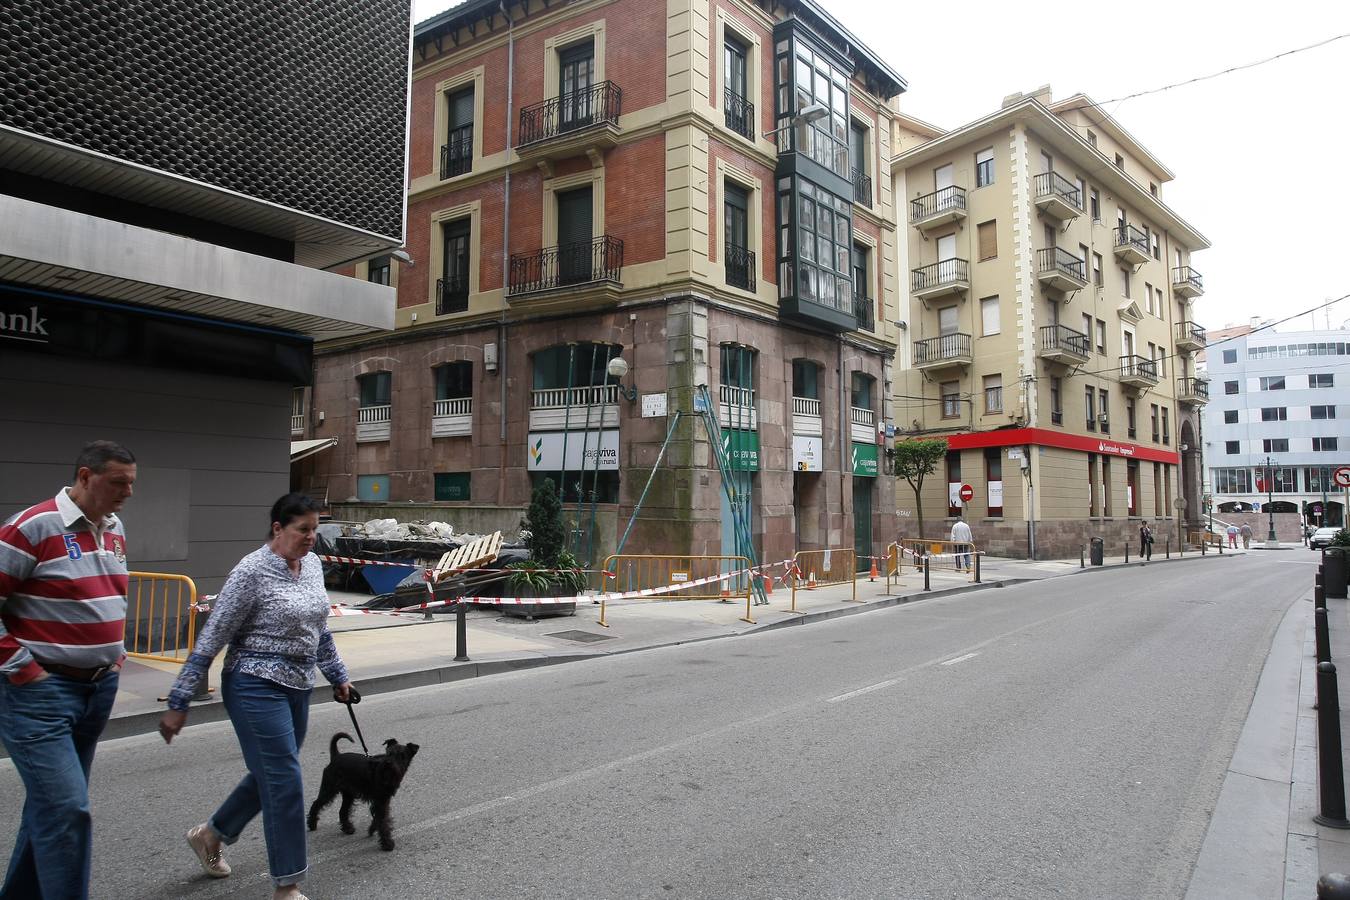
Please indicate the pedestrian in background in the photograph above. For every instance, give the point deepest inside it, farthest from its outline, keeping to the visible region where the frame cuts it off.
(1232, 536)
(63, 607)
(962, 537)
(1145, 541)
(1246, 536)
(273, 614)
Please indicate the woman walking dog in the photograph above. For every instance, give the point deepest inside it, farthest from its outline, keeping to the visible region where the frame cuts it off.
(273, 614)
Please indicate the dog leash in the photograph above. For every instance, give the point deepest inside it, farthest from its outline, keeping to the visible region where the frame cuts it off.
(353, 698)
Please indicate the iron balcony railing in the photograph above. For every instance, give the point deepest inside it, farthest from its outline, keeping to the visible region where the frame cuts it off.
(562, 398)
(1057, 259)
(459, 406)
(864, 310)
(1053, 184)
(1193, 387)
(586, 262)
(457, 152)
(599, 104)
(1187, 275)
(937, 349)
(947, 271)
(1129, 236)
(940, 201)
(1057, 417)
(1138, 367)
(740, 113)
(806, 406)
(862, 188)
(1062, 337)
(1189, 331)
(740, 267)
(370, 415)
(452, 294)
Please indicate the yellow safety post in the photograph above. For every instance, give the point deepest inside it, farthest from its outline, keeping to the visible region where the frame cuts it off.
(602, 614)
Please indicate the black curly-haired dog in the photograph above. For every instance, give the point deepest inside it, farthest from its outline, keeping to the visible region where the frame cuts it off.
(356, 776)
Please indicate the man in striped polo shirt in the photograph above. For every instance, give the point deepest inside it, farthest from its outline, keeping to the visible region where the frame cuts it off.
(63, 600)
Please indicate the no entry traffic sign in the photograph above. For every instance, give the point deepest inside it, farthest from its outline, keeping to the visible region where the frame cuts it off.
(1342, 476)
(968, 492)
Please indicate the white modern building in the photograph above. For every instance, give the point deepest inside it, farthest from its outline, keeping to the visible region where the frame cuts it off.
(1278, 423)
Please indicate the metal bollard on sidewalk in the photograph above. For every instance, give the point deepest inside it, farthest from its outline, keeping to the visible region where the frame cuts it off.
(1330, 773)
(925, 573)
(1127, 553)
(1082, 556)
(977, 567)
(461, 633)
(1321, 636)
(1169, 546)
(1333, 886)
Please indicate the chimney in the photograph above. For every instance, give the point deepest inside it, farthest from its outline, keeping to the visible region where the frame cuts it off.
(1011, 100)
(1042, 95)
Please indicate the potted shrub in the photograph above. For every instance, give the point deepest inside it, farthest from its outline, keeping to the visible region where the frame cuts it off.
(538, 576)
(1336, 565)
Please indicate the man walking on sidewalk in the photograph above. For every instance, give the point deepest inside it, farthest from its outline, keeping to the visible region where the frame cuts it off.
(962, 537)
(63, 601)
(1246, 536)
(1145, 541)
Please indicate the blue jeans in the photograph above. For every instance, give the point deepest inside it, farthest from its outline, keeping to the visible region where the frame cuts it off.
(270, 721)
(50, 728)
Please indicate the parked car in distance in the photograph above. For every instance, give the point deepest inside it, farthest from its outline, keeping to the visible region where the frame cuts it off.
(1322, 538)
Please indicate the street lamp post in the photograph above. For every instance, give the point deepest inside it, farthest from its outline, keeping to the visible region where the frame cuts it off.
(1270, 498)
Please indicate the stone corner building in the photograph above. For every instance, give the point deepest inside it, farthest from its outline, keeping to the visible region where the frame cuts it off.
(1050, 337)
(699, 188)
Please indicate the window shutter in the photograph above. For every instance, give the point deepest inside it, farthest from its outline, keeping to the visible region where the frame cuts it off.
(988, 240)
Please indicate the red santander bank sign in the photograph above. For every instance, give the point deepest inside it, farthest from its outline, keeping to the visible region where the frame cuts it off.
(1045, 437)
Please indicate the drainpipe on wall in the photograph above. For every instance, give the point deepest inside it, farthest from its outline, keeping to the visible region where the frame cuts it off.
(502, 345)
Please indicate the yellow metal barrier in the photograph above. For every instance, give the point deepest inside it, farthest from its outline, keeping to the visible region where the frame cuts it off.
(816, 567)
(893, 563)
(161, 616)
(944, 551)
(636, 572)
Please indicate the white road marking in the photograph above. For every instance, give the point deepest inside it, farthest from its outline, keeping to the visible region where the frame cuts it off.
(952, 662)
(864, 690)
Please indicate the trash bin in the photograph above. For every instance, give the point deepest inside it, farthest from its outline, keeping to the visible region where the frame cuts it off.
(1335, 572)
(1097, 552)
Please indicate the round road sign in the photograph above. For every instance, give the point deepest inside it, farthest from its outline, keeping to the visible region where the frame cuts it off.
(968, 493)
(1342, 476)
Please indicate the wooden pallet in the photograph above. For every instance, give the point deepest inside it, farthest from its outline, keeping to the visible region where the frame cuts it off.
(470, 556)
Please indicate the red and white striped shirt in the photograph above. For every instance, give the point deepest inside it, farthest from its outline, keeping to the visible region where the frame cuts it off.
(63, 589)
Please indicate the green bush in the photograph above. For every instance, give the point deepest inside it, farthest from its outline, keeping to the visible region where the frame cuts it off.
(544, 522)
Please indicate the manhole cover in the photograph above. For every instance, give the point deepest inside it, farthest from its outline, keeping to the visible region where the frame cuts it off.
(584, 637)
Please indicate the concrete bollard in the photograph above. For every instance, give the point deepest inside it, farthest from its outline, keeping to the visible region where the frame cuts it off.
(1330, 772)
(461, 632)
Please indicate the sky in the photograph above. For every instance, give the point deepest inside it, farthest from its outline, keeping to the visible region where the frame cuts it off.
(1256, 153)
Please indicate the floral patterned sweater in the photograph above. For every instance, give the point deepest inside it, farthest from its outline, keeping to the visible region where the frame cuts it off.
(275, 623)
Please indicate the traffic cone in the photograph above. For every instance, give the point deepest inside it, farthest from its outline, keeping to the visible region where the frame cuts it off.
(872, 576)
(811, 581)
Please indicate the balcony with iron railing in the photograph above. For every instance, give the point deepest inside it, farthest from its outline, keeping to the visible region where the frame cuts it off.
(1193, 391)
(948, 276)
(568, 265)
(1138, 372)
(372, 423)
(736, 407)
(452, 418)
(1059, 270)
(457, 153)
(559, 126)
(806, 418)
(1131, 244)
(1061, 344)
(1057, 197)
(862, 425)
(740, 113)
(1186, 282)
(1190, 337)
(938, 208)
(864, 310)
(740, 267)
(943, 352)
(452, 294)
(564, 408)
(862, 188)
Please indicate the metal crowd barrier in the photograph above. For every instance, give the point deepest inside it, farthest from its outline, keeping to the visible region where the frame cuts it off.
(817, 567)
(640, 572)
(943, 552)
(161, 621)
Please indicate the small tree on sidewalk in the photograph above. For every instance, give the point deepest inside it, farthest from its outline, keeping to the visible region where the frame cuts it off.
(915, 460)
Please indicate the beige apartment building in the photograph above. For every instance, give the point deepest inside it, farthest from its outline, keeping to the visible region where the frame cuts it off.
(1049, 329)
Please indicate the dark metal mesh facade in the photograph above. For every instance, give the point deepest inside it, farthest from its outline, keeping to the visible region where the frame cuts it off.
(298, 102)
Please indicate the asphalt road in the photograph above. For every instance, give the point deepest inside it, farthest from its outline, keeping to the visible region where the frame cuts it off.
(1058, 739)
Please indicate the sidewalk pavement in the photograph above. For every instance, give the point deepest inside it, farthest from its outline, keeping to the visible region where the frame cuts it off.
(385, 653)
